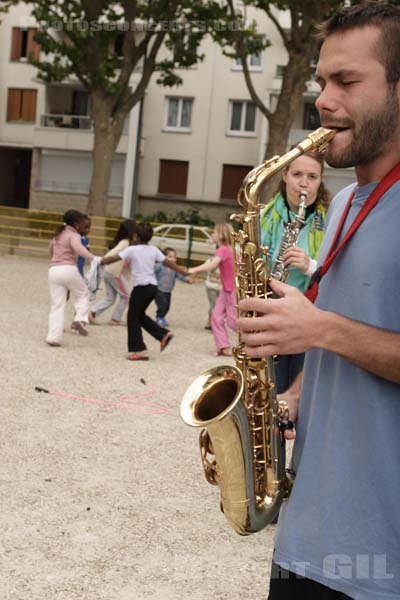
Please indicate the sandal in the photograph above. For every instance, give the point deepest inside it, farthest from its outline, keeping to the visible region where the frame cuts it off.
(138, 355)
(224, 352)
(165, 341)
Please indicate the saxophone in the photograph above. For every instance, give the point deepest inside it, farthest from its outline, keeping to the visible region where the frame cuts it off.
(279, 270)
(242, 443)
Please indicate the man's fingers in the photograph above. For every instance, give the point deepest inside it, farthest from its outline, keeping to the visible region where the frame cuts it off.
(261, 351)
(280, 289)
(256, 305)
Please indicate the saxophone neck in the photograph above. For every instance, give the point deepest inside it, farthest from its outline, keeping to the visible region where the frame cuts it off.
(249, 193)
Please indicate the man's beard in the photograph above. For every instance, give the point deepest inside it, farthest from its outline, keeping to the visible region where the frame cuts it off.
(370, 136)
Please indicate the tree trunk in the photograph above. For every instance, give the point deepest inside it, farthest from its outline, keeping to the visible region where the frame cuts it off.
(280, 122)
(107, 133)
(293, 85)
(103, 150)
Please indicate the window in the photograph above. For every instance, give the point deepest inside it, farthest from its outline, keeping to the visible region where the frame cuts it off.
(119, 44)
(280, 71)
(179, 113)
(23, 46)
(80, 103)
(242, 119)
(311, 117)
(21, 105)
(178, 233)
(232, 178)
(253, 62)
(173, 177)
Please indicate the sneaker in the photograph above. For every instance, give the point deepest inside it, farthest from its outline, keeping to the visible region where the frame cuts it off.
(165, 341)
(80, 328)
(54, 344)
(162, 322)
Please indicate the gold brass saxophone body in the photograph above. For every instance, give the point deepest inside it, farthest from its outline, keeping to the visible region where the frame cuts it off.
(242, 443)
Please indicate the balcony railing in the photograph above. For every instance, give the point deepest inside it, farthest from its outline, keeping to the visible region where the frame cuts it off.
(82, 122)
(67, 121)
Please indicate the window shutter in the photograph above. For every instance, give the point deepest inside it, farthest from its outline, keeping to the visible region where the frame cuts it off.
(232, 178)
(16, 40)
(173, 177)
(14, 105)
(28, 108)
(33, 50)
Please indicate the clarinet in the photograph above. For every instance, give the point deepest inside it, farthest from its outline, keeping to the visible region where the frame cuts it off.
(279, 271)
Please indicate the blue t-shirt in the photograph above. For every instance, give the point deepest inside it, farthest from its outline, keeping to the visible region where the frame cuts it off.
(341, 525)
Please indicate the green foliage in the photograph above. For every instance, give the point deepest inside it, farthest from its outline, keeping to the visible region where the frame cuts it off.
(189, 217)
(192, 217)
(78, 37)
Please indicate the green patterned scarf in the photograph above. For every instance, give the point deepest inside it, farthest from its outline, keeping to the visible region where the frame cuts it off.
(275, 216)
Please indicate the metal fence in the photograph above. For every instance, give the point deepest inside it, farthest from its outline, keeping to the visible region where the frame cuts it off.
(28, 232)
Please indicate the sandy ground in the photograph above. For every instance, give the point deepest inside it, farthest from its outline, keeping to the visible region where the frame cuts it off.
(102, 497)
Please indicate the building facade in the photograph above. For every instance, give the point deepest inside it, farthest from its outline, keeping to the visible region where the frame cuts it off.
(183, 148)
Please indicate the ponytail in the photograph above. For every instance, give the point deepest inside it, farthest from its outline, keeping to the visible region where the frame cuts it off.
(71, 218)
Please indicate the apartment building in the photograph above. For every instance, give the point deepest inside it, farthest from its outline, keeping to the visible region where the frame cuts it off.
(184, 147)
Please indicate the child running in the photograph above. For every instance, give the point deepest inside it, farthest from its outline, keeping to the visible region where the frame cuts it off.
(166, 279)
(142, 258)
(224, 308)
(64, 276)
(114, 277)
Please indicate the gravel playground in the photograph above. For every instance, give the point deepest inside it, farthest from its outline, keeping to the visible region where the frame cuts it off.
(101, 488)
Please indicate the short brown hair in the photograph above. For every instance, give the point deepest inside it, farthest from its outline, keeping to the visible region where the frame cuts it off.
(386, 17)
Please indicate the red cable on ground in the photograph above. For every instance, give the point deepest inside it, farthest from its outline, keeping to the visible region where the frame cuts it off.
(126, 402)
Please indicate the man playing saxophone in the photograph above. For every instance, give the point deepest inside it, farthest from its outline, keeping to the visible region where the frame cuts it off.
(338, 534)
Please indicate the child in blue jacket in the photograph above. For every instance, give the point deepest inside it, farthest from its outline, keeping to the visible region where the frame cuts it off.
(166, 278)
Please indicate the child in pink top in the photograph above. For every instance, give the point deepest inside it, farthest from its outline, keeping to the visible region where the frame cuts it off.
(224, 310)
(64, 276)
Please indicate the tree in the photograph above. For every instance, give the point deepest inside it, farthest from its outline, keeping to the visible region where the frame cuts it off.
(301, 46)
(79, 37)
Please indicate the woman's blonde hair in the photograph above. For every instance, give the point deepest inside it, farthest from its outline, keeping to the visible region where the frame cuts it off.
(224, 232)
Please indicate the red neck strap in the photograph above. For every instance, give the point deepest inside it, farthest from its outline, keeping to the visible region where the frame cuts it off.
(389, 179)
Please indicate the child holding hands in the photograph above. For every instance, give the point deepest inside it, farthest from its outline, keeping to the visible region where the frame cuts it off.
(224, 309)
(166, 282)
(64, 277)
(142, 258)
(114, 277)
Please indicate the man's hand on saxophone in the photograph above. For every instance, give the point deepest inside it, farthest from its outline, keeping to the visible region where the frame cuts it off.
(278, 329)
